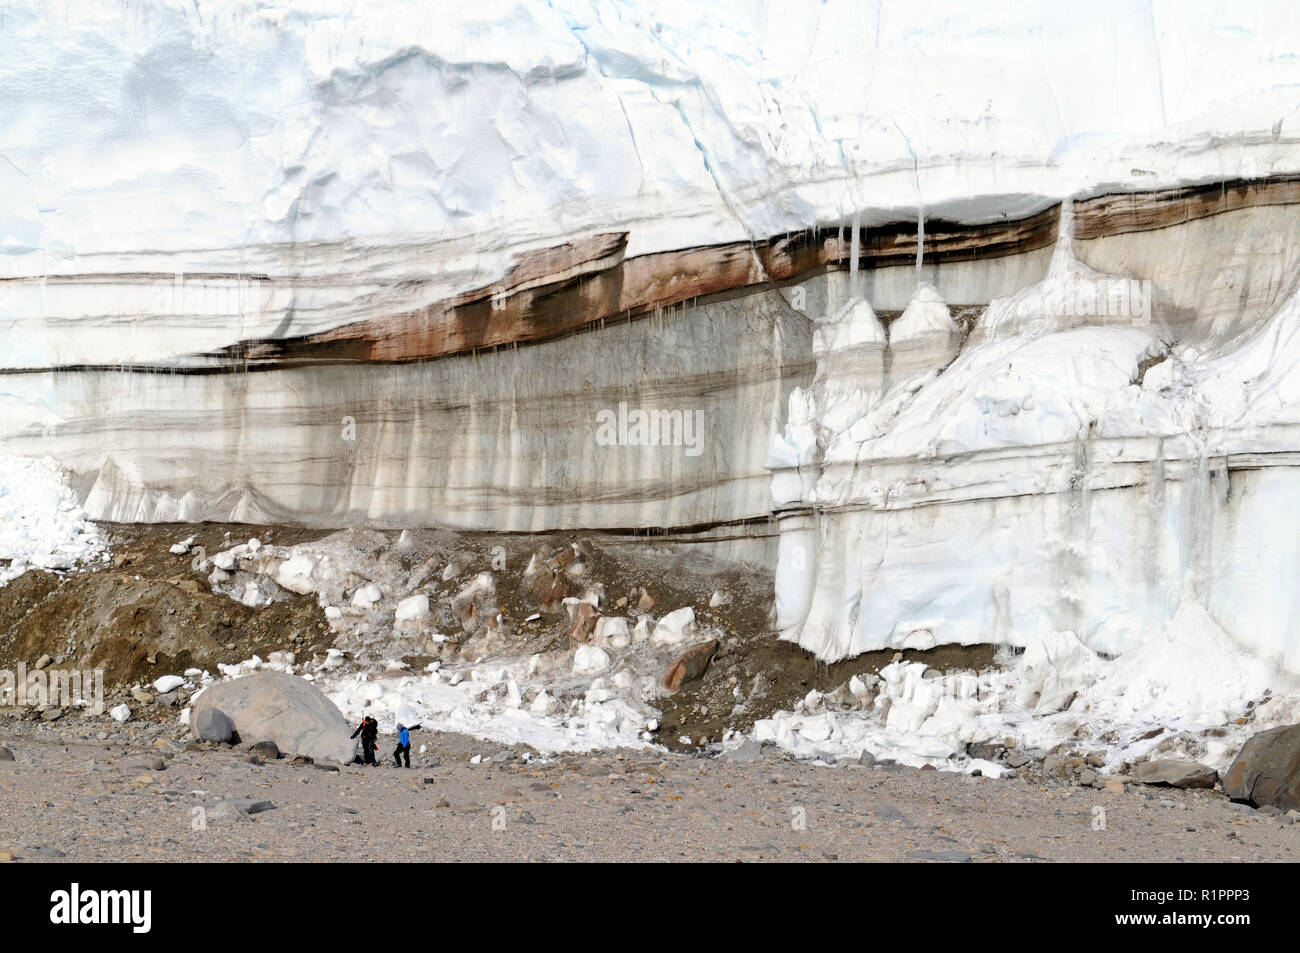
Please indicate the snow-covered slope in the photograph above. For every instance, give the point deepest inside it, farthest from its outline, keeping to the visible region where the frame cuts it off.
(179, 136)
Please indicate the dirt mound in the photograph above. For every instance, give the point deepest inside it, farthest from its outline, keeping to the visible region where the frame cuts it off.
(146, 614)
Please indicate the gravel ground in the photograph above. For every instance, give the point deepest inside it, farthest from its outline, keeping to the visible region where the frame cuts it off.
(68, 795)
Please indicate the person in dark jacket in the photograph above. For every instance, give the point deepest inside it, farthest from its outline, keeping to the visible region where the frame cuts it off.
(369, 732)
(403, 749)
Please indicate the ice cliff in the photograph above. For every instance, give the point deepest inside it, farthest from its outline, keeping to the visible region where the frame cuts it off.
(992, 306)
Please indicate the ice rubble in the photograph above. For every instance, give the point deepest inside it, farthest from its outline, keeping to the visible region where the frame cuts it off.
(1180, 694)
(499, 702)
(41, 523)
(595, 695)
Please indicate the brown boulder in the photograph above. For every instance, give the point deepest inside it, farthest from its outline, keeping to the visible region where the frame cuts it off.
(1176, 774)
(1267, 771)
(691, 664)
(584, 624)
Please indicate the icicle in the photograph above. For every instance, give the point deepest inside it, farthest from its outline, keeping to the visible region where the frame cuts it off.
(855, 245)
(920, 240)
(1065, 226)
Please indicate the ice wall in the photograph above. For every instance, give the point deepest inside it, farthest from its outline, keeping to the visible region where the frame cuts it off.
(329, 262)
(1074, 468)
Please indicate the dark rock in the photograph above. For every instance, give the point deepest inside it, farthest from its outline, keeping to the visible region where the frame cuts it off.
(214, 726)
(266, 750)
(1018, 760)
(1267, 771)
(867, 759)
(6, 754)
(986, 750)
(941, 856)
(245, 805)
(690, 665)
(888, 812)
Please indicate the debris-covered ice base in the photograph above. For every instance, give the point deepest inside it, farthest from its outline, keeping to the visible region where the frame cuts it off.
(1190, 692)
(583, 673)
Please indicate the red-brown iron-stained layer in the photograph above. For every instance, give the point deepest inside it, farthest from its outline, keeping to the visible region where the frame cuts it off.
(555, 291)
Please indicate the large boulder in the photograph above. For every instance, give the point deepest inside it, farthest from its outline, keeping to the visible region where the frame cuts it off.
(273, 706)
(1176, 774)
(1267, 771)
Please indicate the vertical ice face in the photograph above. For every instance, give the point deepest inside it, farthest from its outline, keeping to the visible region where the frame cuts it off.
(1040, 481)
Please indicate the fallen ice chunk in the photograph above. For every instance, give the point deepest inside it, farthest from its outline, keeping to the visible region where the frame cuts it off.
(613, 631)
(675, 627)
(366, 596)
(590, 658)
(413, 607)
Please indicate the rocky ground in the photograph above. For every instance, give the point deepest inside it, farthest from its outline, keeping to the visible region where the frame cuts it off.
(89, 790)
(83, 787)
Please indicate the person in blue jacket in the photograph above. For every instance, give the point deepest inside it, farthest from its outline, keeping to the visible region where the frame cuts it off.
(403, 749)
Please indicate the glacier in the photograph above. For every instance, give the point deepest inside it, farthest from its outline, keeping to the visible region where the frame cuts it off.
(990, 315)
